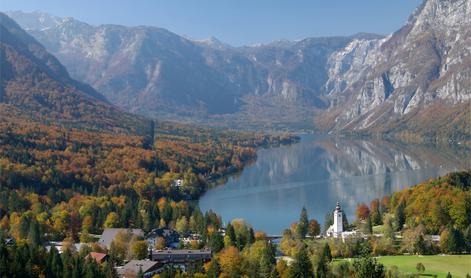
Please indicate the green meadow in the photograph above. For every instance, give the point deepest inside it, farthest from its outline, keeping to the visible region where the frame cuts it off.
(440, 265)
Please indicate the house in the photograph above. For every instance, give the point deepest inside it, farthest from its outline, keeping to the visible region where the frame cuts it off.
(187, 239)
(433, 238)
(177, 183)
(99, 257)
(132, 268)
(9, 241)
(59, 245)
(179, 256)
(171, 237)
(109, 235)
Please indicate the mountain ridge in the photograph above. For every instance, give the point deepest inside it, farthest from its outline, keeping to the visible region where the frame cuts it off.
(34, 86)
(364, 83)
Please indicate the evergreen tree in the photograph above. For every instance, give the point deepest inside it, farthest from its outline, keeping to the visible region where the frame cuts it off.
(369, 225)
(467, 238)
(303, 225)
(230, 232)
(109, 270)
(4, 261)
(301, 267)
(216, 242)
(24, 226)
(344, 221)
(54, 263)
(77, 268)
(376, 216)
(368, 267)
(322, 268)
(420, 267)
(451, 241)
(265, 269)
(91, 269)
(327, 254)
(420, 246)
(400, 215)
(34, 235)
(68, 263)
(251, 238)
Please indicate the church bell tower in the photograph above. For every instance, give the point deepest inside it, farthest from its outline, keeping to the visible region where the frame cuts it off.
(338, 221)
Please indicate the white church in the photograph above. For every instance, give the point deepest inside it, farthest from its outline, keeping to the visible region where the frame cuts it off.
(336, 230)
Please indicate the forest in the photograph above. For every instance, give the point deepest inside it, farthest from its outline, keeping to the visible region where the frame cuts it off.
(67, 185)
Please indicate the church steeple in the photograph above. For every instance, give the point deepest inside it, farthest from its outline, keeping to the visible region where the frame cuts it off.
(338, 220)
(338, 208)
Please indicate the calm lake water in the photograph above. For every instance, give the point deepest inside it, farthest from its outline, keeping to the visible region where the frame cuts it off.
(318, 172)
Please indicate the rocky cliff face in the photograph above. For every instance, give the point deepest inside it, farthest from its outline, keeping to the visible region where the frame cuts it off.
(425, 65)
(155, 72)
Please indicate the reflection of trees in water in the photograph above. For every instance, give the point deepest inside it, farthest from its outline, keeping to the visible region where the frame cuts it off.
(317, 173)
(364, 170)
(352, 170)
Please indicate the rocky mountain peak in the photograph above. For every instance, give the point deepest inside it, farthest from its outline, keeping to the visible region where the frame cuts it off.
(360, 83)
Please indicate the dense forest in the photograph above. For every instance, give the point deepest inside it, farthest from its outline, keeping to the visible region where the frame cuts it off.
(67, 185)
(57, 172)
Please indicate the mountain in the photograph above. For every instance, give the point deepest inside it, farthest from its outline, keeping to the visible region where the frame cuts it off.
(154, 72)
(35, 86)
(418, 80)
(362, 84)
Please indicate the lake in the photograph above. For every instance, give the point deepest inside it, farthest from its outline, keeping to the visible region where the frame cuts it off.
(319, 171)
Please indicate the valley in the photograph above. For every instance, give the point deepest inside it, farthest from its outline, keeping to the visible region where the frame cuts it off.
(134, 151)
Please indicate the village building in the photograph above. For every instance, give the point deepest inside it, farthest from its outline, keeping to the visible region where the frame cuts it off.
(109, 235)
(177, 183)
(59, 245)
(170, 236)
(9, 241)
(132, 268)
(181, 256)
(189, 238)
(98, 257)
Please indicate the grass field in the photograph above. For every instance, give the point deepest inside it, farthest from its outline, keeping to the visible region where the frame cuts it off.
(457, 265)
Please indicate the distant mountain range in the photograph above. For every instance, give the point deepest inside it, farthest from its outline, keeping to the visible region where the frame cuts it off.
(415, 82)
(34, 86)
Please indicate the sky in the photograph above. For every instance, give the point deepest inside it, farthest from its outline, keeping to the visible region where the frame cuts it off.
(237, 22)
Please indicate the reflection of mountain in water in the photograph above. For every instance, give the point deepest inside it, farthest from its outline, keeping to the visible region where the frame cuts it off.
(320, 171)
(376, 168)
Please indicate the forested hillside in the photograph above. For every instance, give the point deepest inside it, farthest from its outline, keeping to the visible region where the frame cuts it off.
(34, 86)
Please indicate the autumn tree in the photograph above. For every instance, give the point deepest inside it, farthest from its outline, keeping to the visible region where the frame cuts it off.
(362, 212)
(112, 220)
(139, 249)
(230, 261)
(314, 228)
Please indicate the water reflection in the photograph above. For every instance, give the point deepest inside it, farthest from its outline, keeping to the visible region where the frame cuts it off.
(318, 172)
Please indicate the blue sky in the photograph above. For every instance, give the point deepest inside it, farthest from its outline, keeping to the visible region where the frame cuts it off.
(237, 22)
